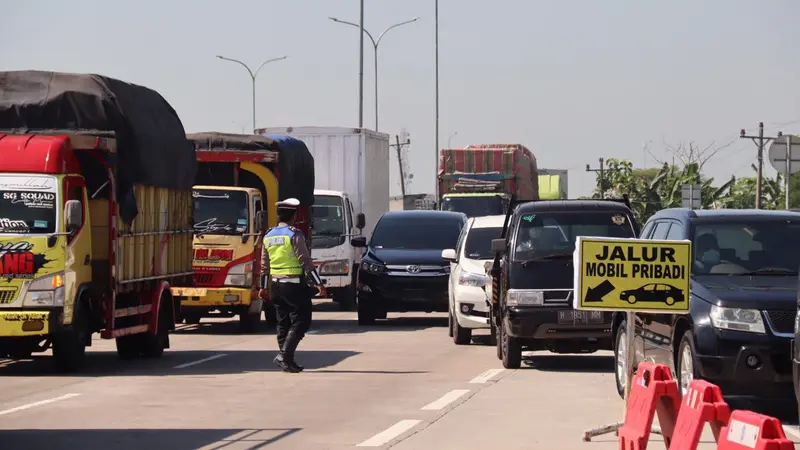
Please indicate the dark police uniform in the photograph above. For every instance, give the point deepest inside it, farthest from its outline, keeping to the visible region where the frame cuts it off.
(286, 267)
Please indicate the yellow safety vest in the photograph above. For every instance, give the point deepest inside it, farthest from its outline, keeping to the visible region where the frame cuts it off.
(282, 259)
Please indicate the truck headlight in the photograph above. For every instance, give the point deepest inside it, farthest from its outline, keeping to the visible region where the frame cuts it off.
(240, 275)
(46, 291)
(520, 297)
(338, 267)
(737, 319)
(472, 279)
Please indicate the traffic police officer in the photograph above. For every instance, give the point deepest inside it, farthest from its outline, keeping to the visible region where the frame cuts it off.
(287, 277)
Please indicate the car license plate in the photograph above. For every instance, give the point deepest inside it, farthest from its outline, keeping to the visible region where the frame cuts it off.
(581, 317)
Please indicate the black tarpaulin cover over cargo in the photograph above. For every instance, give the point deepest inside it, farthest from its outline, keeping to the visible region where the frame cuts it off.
(295, 162)
(151, 142)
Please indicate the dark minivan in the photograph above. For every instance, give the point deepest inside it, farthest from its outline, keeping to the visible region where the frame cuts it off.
(743, 303)
(534, 308)
(402, 269)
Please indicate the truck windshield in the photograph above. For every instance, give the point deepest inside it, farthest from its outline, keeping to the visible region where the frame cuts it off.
(28, 204)
(328, 213)
(553, 234)
(746, 247)
(220, 212)
(416, 233)
(475, 206)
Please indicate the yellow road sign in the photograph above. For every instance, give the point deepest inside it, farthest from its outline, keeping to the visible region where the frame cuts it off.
(632, 275)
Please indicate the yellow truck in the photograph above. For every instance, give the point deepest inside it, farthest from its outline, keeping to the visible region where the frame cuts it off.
(95, 215)
(237, 184)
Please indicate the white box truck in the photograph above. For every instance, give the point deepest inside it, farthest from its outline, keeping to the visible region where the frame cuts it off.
(351, 192)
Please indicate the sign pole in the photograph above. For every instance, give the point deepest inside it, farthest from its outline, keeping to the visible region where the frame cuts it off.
(788, 179)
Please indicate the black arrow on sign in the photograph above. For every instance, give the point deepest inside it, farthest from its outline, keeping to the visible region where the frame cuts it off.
(597, 293)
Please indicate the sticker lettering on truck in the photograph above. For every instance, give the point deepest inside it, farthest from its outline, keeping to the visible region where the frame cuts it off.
(17, 260)
(205, 255)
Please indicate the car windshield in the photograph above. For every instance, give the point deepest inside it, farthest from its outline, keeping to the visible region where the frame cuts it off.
(475, 206)
(545, 234)
(220, 212)
(328, 213)
(416, 233)
(746, 247)
(28, 204)
(479, 242)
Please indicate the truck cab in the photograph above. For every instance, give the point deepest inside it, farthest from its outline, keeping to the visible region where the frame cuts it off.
(334, 222)
(476, 204)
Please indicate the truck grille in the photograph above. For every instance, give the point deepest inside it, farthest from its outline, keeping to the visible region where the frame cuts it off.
(7, 295)
(782, 321)
(202, 279)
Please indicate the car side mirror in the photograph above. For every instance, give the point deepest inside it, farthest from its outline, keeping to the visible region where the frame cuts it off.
(499, 245)
(261, 222)
(449, 255)
(359, 242)
(73, 215)
(361, 221)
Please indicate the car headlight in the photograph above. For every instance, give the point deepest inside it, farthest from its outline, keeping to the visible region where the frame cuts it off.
(737, 319)
(334, 268)
(472, 279)
(46, 291)
(518, 297)
(240, 275)
(373, 267)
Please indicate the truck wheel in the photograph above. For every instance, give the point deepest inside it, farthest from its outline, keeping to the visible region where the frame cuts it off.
(249, 322)
(346, 298)
(153, 345)
(492, 332)
(128, 347)
(191, 318)
(461, 335)
(69, 346)
(512, 351)
(366, 315)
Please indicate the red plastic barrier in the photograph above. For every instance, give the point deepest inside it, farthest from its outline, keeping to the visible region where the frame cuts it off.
(752, 431)
(652, 391)
(702, 404)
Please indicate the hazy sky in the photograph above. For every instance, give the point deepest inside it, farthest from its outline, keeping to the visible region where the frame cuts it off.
(571, 80)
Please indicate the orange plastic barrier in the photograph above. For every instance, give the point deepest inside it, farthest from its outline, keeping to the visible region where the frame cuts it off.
(752, 431)
(653, 390)
(702, 404)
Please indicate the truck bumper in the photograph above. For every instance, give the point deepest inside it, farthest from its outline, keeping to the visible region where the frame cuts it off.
(336, 281)
(25, 323)
(213, 297)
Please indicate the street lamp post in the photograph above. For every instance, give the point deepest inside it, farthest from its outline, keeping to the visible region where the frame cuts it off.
(253, 76)
(375, 44)
(450, 138)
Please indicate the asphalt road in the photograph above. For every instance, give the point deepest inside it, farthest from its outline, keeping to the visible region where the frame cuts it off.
(400, 384)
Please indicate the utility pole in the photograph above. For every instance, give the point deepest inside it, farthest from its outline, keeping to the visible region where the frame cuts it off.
(399, 147)
(361, 68)
(602, 177)
(436, 148)
(760, 142)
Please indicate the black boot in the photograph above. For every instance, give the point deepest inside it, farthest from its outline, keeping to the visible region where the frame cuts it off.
(287, 353)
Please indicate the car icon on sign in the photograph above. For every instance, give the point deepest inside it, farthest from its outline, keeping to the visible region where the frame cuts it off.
(653, 292)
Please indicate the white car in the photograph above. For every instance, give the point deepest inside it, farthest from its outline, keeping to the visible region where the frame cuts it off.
(469, 286)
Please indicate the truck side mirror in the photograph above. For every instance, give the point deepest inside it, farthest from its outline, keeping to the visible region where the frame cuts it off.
(73, 215)
(261, 222)
(361, 221)
(359, 242)
(499, 245)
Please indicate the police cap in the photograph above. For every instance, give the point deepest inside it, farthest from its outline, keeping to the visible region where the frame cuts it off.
(289, 203)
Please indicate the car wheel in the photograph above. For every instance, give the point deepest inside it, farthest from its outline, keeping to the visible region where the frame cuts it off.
(687, 362)
(620, 355)
(670, 301)
(450, 324)
(461, 335)
(631, 299)
(512, 351)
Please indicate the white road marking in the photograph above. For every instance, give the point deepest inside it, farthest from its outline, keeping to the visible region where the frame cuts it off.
(200, 361)
(446, 399)
(390, 433)
(792, 432)
(35, 404)
(486, 376)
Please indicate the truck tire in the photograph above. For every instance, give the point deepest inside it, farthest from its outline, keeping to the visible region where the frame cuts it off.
(128, 346)
(69, 345)
(153, 345)
(346, 298)
(366, 314)
(192, 318)
(249, 323)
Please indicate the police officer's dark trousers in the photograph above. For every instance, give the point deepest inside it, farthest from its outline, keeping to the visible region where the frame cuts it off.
(293, 310)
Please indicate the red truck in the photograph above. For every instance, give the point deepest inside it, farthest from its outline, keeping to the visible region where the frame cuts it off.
(479, 180)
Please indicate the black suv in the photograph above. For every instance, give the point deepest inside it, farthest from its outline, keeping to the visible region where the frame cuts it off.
(533, 308)
(742, 308)
(402, 269)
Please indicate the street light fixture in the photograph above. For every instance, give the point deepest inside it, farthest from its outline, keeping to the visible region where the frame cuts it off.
(375, 43)
(253, 76)
(450, 138)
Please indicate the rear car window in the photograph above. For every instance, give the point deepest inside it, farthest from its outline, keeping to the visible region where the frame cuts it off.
(415, 233)
(549, 233)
